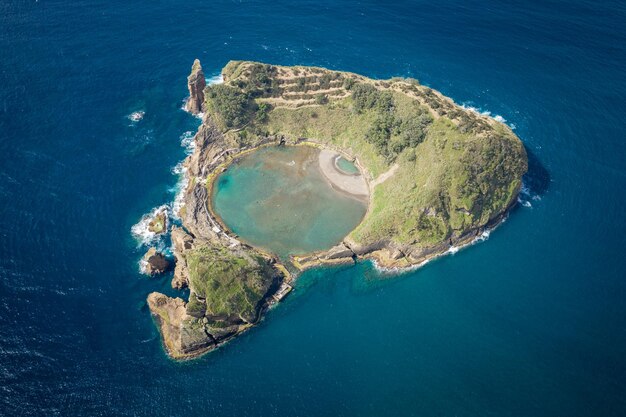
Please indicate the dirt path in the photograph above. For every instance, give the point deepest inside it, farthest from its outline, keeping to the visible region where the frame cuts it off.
(385, 175)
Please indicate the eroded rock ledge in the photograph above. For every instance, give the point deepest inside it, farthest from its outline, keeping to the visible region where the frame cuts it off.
(438, 176)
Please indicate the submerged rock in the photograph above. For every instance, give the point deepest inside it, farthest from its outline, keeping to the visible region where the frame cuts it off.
(196, 84)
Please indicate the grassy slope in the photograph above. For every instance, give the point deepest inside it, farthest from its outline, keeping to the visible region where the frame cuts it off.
(232, 285)
(448, 184)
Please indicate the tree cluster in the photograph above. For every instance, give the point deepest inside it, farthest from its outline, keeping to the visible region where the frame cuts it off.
(231, 104)
(390, 133)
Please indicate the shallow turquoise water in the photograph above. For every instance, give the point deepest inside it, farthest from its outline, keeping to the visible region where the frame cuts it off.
(277, 198)
(347, 166)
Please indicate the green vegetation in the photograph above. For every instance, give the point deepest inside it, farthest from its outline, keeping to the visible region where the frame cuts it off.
(453, 170)
(229, 285)
(450, 183)
(195, 307)
(230, 105)
(397, 125)
(259, 81)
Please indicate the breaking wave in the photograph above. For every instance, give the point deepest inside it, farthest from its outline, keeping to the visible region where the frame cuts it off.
(487, 113)
(215, 79)
(141, 231)
(451, 251)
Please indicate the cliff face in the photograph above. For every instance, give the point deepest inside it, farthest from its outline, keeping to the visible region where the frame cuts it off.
(196, 84)
(230, 284)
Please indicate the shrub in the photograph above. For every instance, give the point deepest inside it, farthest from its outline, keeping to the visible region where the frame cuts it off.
(380, 132)
(301, 84)
(321, 99)
(325, 81)
(230, 104)
(262, 112)
(364, 97)
(262, 81)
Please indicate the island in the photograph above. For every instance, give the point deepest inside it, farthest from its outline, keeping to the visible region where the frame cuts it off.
(435, 176)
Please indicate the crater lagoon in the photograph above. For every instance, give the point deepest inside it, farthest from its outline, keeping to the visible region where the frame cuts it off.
(279, 199)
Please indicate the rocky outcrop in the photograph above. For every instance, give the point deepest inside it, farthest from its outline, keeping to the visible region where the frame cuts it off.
(181, 242)
(183, 336)
(339, 251)
(158, 223)
(196, 84)
(229, 288)
(210, 144)
(154, 262)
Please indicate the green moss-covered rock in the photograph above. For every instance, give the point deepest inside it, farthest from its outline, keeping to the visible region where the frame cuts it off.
(232, 285)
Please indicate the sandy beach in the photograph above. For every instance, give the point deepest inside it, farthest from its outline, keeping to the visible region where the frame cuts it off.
(354, 185)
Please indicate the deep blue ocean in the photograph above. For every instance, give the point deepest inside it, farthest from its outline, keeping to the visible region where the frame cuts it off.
(531, 322)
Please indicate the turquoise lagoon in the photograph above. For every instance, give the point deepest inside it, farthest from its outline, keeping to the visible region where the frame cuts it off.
(278, 198)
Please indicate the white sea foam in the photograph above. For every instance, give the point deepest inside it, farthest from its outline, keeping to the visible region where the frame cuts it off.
(141, 230)
(143, 266)
(136, 116)
(215, 79)
(187, 142)
(525, 195)
(397, 270)
(451, 251)
(179, 190)
(524, 203)
(487, 113)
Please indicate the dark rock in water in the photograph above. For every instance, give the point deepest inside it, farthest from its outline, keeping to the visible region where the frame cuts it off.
(155, 262)
(196, 84)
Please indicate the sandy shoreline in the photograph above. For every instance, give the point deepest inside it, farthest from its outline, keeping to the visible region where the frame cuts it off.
(354, 185)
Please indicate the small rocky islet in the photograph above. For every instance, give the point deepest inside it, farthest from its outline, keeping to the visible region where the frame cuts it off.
(438, 176)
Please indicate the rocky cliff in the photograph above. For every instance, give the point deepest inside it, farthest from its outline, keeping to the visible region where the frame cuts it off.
(196, 85)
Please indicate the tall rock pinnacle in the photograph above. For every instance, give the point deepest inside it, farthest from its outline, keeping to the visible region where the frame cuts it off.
(196, 84)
